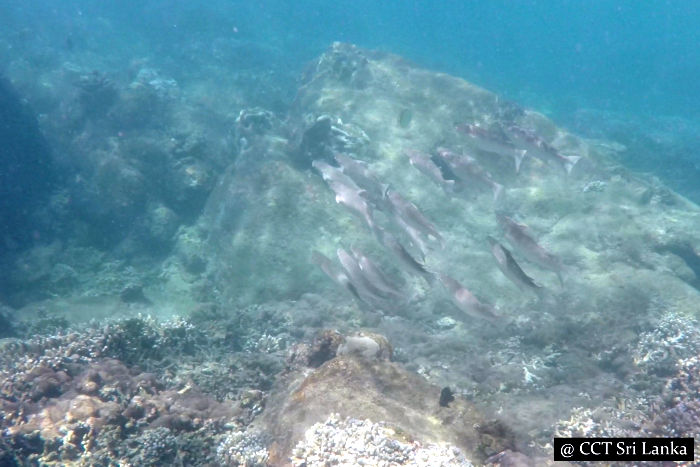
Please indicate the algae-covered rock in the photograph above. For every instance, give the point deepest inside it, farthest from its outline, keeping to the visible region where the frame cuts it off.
(270, 210)
(367, 385)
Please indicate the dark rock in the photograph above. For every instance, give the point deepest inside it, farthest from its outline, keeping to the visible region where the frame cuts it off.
(324, 137)
(189, 182)
(134, 294)
(345, 64)
(46, 383)
(254, 122)
(323, 348)
(134, 412)
(97, 94)
(195, 264)
(161, 224)
(446, 396)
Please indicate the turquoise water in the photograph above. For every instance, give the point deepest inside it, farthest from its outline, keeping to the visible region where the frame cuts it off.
(558, 56)
(622, 70)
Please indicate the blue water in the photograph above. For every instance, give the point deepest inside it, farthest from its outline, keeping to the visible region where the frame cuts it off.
(621, 70)
(634, 56)
(558, 55)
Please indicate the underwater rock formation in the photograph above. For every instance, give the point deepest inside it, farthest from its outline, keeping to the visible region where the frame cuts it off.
(361, 382)
(324, 137)
(615, 254)
(623, 245)
(268, 203)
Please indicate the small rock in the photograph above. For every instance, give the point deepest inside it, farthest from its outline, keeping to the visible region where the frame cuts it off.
(446, 323)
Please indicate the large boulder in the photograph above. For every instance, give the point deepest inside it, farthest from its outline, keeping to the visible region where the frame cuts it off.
(627, 245)
(358, 381)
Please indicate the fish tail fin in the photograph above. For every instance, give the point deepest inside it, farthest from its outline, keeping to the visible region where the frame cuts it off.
(448, 186)
(561, 278)
(570, 163)
(429, 276)
(372, 226)
(345, 282)
(540, 291)
(497, 192)
(385, 190)
(441, 242)
(519, 155)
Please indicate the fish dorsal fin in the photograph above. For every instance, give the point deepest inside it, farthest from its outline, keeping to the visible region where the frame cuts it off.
(521, 226)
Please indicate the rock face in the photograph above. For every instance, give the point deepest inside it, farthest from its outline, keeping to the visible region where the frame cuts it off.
(604, 224)
(365, 385)
(626, 247)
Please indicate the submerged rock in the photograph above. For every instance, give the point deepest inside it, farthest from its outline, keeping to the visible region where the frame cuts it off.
(364, 384)
(326, 136)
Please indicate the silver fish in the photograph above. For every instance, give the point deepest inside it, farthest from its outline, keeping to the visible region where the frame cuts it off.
(427, 167)
(489, 140)
(410, 214)
(336, 275)
(355, 201)
(511, 269)
(407, 261)
(346, 191)
(468, 169)
(466, 301)
(333, 175)
(416, 237)
(365, 286)
(360, 173)
(519, 237)
(537, 147)
(375, 275)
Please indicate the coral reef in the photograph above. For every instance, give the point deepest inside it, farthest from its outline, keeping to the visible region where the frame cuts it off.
(64, 416)
(83, 396)
(361, 442)
(242, 448)
(673, 338)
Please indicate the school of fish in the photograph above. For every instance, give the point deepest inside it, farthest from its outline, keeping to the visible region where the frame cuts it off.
(409, 236)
